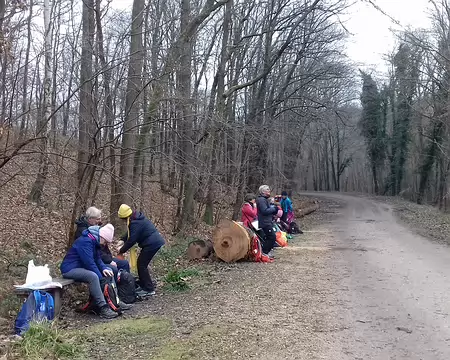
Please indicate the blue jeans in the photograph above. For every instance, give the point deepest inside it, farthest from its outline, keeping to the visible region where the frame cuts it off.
(90, 278)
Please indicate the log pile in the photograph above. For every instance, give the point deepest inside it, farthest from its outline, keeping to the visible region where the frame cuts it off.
(231, 241)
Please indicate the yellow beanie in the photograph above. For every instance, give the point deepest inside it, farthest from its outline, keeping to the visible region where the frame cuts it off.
(124, 211)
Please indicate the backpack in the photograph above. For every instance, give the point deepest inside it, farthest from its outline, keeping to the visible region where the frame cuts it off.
(126, 286)
(294, 229)
(256, 249)
(39, 306)
(110, 293)
(281, 238)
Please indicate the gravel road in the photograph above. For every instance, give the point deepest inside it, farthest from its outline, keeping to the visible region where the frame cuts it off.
(394, 285)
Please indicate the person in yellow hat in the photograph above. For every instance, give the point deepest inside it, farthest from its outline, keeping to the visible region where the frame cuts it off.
(143, 232)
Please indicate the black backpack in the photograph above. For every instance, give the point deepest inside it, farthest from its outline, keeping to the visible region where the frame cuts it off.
(126, 285)
(111, 294)
(294, 229)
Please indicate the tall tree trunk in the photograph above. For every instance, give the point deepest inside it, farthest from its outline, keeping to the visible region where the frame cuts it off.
(25, 107)
(221, 115)
(186, 117)
(38, 186)
(132, 104)
(86, 131)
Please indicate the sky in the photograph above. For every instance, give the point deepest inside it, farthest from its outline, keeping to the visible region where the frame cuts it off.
(371, 37)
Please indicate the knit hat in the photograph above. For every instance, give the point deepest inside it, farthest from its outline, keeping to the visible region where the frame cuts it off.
(124, 211)
(107, 233)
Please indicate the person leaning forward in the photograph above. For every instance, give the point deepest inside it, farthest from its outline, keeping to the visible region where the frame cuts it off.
(143, 232)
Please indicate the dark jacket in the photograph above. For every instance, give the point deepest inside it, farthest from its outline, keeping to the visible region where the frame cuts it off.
(85, 253)
(265, 211)
(82, 224)
(141, 232)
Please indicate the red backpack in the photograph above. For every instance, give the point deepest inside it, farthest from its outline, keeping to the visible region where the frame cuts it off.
(256, 248)
(110, 293)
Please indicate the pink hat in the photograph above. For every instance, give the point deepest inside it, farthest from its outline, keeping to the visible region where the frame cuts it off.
(107, 233)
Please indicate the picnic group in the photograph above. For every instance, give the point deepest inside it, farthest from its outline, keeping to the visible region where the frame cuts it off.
(90, 260)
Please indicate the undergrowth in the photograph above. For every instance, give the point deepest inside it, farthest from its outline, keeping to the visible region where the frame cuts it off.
(177, 280)
(44, 341)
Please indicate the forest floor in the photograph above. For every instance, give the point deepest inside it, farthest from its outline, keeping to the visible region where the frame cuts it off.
(360, 283)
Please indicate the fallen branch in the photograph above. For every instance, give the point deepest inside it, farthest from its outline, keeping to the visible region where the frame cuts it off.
(299, 213)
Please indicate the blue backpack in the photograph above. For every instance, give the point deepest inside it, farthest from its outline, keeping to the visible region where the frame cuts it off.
(39, 306)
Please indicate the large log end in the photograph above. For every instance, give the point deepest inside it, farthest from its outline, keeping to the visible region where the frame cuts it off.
(231, 241)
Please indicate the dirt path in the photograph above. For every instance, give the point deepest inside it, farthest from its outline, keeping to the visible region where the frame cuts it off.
(394, 286)
(357, 286)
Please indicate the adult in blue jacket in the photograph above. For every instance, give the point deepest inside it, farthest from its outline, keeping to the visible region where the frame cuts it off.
(266, 211)
(83, 263)
(141, 231)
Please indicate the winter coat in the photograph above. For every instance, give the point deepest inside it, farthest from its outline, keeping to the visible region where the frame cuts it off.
(82, 224)
(141, 231)
(266, 211)
(85, 253)
(286, 205)
(249, 214)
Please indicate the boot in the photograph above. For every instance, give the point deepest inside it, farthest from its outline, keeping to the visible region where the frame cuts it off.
(107, 313)
(124, 306)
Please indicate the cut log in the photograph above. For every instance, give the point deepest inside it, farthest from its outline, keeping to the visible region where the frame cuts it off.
(199, 249)
(231, 241)
(299, 213)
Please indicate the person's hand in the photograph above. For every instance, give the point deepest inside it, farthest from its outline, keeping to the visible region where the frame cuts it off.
(113, 263)
(108, 272)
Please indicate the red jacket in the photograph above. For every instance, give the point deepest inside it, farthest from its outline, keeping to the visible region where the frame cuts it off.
(249, 214)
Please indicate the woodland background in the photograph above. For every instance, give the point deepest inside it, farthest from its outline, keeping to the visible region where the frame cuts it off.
(180, 107)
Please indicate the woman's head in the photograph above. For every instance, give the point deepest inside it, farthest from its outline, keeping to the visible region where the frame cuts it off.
(250, 197)
(93, 216)
(106, 234)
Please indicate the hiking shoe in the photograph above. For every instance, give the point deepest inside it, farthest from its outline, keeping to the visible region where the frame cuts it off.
(124, 306)
(270, 254)
(144, 293)
(107, 313)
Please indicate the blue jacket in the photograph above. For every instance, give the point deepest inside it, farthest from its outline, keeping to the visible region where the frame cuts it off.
(266, 211)
(142, 232)
(286, 205)
(85, 253)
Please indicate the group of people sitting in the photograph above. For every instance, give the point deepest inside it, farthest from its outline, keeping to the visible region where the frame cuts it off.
(266, 211)
(90, 259)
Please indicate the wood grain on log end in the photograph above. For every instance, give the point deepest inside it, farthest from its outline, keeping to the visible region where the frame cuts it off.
(231, 241)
